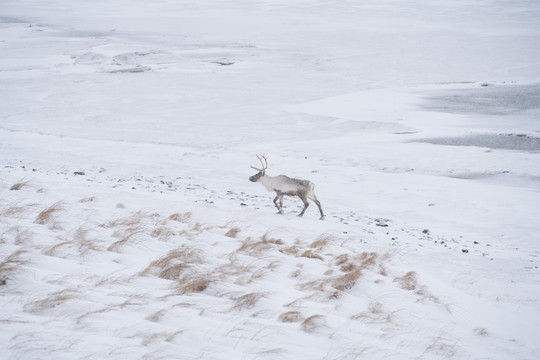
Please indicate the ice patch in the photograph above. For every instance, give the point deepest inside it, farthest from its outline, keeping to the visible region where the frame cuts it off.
(487, 99)
(518, 142)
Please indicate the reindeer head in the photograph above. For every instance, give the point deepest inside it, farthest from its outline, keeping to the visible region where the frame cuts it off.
(261, 171)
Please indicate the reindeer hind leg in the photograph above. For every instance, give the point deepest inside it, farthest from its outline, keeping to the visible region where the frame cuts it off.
(314, 199)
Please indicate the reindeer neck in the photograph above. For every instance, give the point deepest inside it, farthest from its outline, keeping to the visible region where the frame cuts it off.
(270, 182)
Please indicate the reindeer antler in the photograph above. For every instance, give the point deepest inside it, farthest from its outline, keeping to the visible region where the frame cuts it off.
(264, 166)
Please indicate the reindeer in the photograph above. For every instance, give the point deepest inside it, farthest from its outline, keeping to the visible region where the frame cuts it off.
(284, 185)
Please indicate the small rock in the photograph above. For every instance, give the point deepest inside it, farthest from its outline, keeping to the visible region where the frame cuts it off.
(78, 173)
(465, 251)
(223, 62)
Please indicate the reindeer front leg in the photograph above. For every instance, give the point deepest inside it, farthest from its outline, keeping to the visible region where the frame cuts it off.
(306, 204)
(279, 206)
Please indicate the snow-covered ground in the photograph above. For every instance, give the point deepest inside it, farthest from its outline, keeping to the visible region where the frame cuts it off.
(128, 226)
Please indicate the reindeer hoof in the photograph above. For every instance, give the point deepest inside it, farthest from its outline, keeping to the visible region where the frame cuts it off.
(321, 218)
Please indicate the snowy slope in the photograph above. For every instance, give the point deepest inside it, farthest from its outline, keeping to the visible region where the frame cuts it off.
(128, 226)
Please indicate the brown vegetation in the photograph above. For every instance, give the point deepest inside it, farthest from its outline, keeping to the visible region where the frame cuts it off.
(246, 301)
(347, 281)
(255, 247)
(19, 185)
(53, 300)
(409, 281)
(291, 316)
(11, 264)
(311, 255)
(174, 263)
(182, 218)
(193, 284)
(321, 242)
(312, 323)
(46, 215)
(233, 232)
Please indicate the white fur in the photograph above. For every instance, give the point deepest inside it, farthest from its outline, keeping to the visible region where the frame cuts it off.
(284, 184)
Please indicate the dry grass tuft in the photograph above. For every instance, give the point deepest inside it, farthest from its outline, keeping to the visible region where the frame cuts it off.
(128, 221)
(234, 269)
(51, 251)
(311, 255)
(290, 250)
(185, 217)
(246, 301)
(133, 300)
(341, 259)
(313, 322)
(193, 284)
(19, 185)
(53, 300)
(84, 244)
(155, 317)
(115, 246)
(347, 281)
(375, 314)
(13, 210)
(256, 247)
(232, 233)
(367, 259)
(427, 297)
(11, 264)
(409, 281)
(22, 236)
(172, 272)
(480, 331)
(321, 242)
(360, 262)
(372, 315)
(382, 270)
(46, 215)
(314, 285)
(100, 311)
(162, 233)
(441, 348)
(114, 280)
(347, 267)
(174, 263)
(296, 273)
(271, 240)
(291, 317)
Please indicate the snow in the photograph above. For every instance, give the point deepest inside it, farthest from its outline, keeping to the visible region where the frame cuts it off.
(128, 225)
